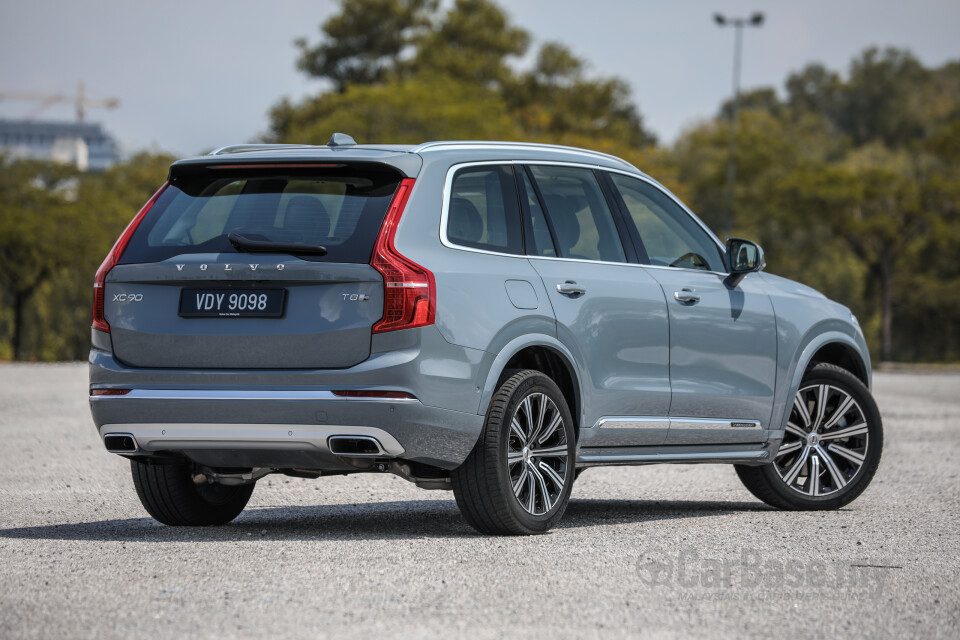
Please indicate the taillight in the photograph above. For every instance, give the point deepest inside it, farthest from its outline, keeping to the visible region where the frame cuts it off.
(409, 296)
(99, 322)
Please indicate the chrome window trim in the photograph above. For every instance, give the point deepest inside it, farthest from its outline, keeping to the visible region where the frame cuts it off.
(448, 196)
(448, 190)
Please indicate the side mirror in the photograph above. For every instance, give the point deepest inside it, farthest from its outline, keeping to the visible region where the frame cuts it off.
(743, 257)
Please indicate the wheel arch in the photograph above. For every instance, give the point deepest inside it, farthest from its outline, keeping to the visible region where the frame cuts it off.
(542, 353)
(833, 347)
(844, 356)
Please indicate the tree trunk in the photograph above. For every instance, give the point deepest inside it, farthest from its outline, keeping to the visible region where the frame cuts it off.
(886, 310)
(19, 303)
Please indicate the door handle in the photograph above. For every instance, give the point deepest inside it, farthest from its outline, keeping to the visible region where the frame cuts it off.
(571, 288)
(686, 295)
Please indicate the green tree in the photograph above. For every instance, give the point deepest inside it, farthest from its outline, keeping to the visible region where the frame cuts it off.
(873, 204)
(37, 234)
(366, 41)
(881, 98)
(816, 89)
(557, 99)
(472, 43)
(402, 111)
(56, 225)
(449, 75)
(850, 185)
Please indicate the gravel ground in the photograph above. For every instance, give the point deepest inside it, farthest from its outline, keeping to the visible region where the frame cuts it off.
(664, 551)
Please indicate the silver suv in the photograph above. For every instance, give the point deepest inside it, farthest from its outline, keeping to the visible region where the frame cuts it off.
(486, 317)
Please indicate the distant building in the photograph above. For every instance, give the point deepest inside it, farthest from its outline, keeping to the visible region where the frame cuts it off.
(84, 145)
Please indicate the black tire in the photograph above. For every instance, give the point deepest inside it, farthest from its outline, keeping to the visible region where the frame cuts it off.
(772, 482)
(169, 494)
(484, 484)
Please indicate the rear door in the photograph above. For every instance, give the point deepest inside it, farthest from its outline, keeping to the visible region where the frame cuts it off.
(183, 296)
(723, 342)
(609, 311)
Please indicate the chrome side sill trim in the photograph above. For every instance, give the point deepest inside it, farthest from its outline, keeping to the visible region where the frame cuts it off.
(599, 459)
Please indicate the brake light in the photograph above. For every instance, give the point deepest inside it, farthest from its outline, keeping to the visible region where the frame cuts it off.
(99, 322)
(409, 296)
(109, 392)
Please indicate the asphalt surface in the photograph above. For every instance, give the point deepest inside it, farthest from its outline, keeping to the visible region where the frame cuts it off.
(667, 551)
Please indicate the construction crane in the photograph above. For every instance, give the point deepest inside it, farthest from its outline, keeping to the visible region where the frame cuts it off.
(80, 101)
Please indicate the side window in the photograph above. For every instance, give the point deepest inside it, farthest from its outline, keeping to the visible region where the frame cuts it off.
(542, 244)
(670, 236)
(582, 223)
(483, 211)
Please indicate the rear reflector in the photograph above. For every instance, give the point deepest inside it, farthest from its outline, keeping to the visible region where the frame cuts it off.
(109, 392)
(409, 296)
(99, 322)
(392, 395)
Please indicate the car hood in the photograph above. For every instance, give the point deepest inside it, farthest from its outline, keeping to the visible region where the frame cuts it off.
(789, 286)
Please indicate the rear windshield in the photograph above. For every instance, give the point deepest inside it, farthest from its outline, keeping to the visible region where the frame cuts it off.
(340, 208)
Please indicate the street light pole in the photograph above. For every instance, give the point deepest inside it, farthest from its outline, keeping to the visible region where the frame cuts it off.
(738, 24)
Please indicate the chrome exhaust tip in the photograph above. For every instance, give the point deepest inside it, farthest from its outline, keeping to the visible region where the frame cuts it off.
(120, 443)
(356, 447)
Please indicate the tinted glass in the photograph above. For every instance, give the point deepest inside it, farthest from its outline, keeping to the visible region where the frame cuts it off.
(341, 209)
(670, 236)
(581, 221)
(483, 212)
(542, 242)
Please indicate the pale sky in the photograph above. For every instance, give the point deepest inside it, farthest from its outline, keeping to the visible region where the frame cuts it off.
(192, 75)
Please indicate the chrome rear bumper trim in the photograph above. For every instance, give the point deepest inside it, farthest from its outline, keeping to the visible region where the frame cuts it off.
(179, 436)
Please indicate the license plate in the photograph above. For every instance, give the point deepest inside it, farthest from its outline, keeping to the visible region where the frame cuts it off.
(232, 303)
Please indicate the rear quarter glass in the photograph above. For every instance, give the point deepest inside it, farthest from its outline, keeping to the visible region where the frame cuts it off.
(339, 207)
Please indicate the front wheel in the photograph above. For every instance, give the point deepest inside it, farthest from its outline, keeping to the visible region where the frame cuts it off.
(518, 478)
(169, 494)
(831, 448)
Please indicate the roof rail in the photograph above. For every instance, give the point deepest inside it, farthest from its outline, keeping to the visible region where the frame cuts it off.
(518, 145)
(240, 148)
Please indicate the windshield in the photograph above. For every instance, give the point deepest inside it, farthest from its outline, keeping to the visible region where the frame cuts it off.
(340, 208)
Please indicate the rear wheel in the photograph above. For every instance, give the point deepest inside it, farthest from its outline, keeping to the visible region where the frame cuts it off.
(169, 494)
(518, 478)
(831, 448)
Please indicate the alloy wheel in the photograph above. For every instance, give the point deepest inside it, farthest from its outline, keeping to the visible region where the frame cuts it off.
(825, 443)
(537, 454)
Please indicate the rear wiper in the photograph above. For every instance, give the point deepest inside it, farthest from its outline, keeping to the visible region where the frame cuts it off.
(249, 245)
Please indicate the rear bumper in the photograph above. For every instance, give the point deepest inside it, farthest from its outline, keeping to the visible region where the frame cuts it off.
(282, 428)
(282, 418)
(249, 445)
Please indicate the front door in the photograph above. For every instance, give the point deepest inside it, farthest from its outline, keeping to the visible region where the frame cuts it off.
(723, 340)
